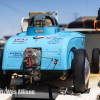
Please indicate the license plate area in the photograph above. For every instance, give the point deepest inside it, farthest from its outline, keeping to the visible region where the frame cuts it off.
(34, 54)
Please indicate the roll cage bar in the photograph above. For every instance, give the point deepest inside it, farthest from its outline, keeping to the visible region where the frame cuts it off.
(33, 20)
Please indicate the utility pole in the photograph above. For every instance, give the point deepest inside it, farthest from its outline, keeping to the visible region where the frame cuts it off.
(75, 15)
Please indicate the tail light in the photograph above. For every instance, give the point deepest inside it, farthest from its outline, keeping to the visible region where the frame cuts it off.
(30, 62)
(55, 62)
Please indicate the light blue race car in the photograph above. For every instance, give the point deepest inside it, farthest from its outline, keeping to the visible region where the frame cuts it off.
(45, 50)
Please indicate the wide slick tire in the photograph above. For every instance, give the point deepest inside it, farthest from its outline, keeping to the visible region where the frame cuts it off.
(5, 79)
(81, 71)
(95, 60)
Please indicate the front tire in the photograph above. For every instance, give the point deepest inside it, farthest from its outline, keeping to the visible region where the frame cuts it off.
(5, 79)
(95, 60)
(81, 71)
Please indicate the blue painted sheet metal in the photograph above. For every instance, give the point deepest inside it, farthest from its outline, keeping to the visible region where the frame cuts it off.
(54, 44)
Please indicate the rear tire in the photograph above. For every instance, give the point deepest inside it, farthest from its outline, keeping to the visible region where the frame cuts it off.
(81, 71)
(5, 79)
(95, 60)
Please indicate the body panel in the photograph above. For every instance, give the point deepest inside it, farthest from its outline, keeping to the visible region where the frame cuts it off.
(54, 44)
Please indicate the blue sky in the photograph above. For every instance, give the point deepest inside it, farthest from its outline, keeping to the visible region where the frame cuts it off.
(12, 11)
